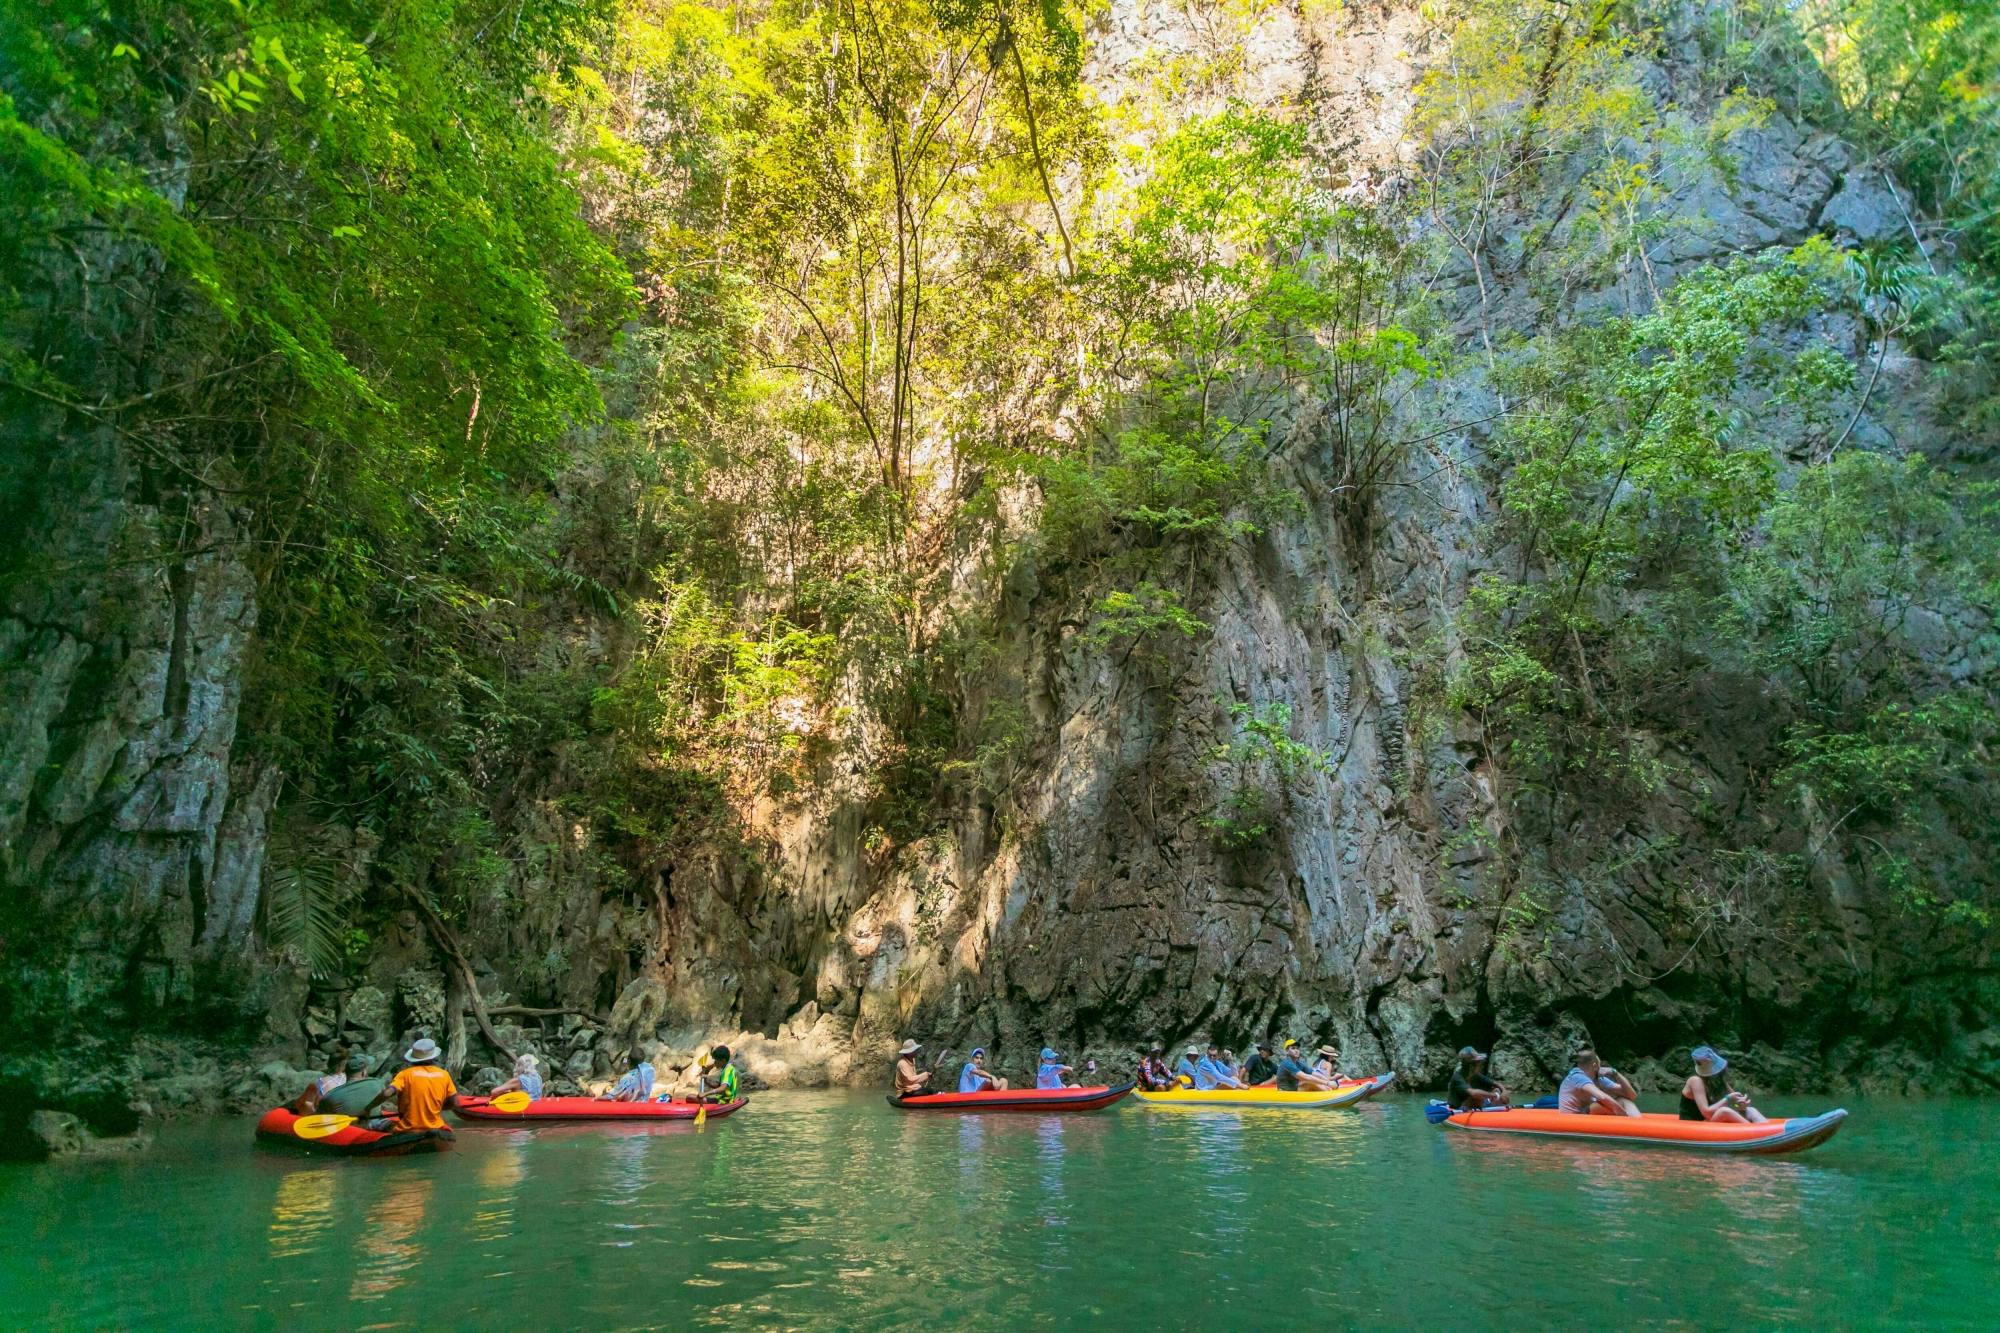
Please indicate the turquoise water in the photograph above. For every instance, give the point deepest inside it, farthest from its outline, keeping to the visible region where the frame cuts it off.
(829, 1210)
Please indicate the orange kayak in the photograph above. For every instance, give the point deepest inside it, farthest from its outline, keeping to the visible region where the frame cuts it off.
(1657, 1131)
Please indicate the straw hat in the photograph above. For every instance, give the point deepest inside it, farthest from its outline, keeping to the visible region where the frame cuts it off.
(911, 1047)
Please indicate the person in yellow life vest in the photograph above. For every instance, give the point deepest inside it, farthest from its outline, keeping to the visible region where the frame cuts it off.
(718, 1079)
(422, 1089)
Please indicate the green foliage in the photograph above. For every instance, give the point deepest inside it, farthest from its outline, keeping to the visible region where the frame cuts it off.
(1264, 762)
(1144, 613)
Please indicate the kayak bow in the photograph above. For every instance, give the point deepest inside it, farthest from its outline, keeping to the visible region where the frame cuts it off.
(574, 1109)
(1657, 1131)
(1015, 1099)
(280, 1127)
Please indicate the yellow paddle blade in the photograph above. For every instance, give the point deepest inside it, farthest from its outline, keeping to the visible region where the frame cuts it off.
(511, 1102)
(319, 1126)
(701, 1116)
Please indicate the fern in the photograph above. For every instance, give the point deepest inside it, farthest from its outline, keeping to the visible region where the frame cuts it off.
(305, 906)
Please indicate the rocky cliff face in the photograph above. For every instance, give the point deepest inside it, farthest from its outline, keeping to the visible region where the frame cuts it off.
(1092, 906)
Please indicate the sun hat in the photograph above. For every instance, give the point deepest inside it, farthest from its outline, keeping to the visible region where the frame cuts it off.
(524, 1061)
(1193, 1049)
(1470, 1053)
(1707, 1061)
(1157, 1049)
(1328, 1052)
(358, 1064)
(911, 1047)
(424, 1051)
(1048, 1054)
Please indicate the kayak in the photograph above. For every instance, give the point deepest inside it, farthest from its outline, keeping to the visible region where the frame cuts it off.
(344, 1136)
(1346, 1093)
(1015, 1099)
(1657, 1131)
(589, 1108)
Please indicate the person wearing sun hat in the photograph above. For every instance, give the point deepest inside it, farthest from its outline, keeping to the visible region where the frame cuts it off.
(1188, 1071)
(1707, 1094)
(976, 1077)
(911, 1081)
(422, 1087)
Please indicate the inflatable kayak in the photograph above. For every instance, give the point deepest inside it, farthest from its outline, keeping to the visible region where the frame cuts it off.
(1015, 1099)
(344, 1136)
(1656, 1131)
(1347, 1093)
(575, 1109)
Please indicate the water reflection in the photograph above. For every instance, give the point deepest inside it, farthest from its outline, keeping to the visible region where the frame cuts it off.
(388, 1235)
(500, 1177)
(301, 1212)
(1049, 1144)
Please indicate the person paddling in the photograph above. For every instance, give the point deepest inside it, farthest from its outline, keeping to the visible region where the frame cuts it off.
(911, 1081)
(718, 1082)
(1708, 1096)
(422, 1087)
(976, 1077)
(1472, 1089)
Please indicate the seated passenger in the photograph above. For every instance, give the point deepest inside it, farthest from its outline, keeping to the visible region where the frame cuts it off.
(718, 1082)
(422, 1087)
(1212, 1073)
(976, 1077)
(911, 1081)
(1261, 1071)
(526, 1079)
(1472, 1089)
(1188, 1071)
(1708, 1096)
(1294, 1076)
(1050, 1073)
(357, 1095)
(1153, 1075)
(1594, 1088)
(1328, 1066)
(637, 1083)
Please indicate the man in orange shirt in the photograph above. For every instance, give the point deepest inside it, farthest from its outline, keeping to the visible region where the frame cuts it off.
(423, 1089)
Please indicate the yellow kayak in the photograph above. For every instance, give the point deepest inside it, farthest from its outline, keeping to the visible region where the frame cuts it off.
(1306, 1099)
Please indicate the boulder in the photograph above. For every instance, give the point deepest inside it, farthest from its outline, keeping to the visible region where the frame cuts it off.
(64, 1135)
(272, 1083)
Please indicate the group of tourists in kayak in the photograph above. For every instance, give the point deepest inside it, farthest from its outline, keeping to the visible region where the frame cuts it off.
(419, 1093)
(1217, 1068)
(1594, 1088)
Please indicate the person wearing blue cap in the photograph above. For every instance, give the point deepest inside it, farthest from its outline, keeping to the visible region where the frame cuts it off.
(976, 1077)
(1050, 1074)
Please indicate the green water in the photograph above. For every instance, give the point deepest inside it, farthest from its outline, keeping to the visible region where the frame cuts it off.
(830, 1210)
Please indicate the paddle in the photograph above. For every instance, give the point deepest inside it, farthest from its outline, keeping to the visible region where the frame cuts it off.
(511, 1102)
(319, 1126)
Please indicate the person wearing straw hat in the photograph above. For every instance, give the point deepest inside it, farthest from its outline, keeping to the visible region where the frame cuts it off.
(1707, 1094)
(422, 1087)
(1327, 1065)
(911, 1081)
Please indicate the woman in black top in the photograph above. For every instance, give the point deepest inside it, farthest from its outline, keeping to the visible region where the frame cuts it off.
(1707, 1094)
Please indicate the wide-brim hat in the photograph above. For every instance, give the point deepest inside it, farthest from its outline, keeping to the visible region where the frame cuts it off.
(1156, 1049)
(1708, 1061)
(423, 1051)
(1193, 1049)
(1328, 1052)
(911, 1047)
(1472, 1053)
(527, 1061)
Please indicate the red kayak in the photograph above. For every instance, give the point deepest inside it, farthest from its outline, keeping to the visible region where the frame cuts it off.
(589, 1108)
(1014, 1099)
(344, 1136)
